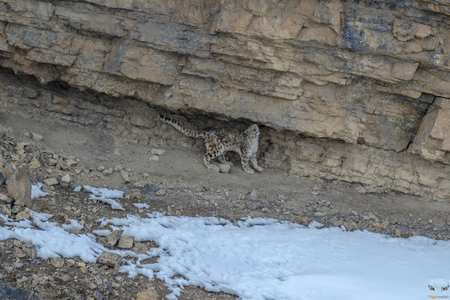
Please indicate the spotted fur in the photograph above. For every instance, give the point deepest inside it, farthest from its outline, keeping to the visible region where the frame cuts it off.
(222, 140)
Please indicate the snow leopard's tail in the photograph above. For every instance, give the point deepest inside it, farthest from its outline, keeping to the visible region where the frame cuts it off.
(181, 128)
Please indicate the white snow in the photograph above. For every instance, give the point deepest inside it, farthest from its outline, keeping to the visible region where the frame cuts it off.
(53, 241)
(73, 224)
(141, 205)
(36, 191)
(282, 260)
(77, 189)
(105, 195)
(315, 224)
(262, 259)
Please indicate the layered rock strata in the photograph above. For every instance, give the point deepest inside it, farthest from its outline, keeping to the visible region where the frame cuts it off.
(349, 90)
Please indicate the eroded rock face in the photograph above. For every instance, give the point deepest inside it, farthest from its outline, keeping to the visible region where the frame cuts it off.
(363, 72)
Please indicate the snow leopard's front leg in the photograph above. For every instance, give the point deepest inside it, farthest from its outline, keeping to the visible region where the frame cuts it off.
(255, 163)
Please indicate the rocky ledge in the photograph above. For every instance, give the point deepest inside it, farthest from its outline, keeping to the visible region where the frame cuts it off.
(373, 74)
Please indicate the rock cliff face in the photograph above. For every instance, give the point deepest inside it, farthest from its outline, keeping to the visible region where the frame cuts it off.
(349, 90)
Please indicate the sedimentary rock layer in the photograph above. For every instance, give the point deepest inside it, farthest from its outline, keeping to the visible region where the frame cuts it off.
(374, 74)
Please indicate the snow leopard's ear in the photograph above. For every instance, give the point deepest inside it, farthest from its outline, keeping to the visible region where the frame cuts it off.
(253, 129)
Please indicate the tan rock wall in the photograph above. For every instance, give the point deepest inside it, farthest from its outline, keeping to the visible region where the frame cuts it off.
(373, 74)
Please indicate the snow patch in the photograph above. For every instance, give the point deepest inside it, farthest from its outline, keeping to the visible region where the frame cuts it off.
(261, 259)
(258, 259)
(73, 224)
(36, 191)
(141, 205)
(105, 195)
(315, 224)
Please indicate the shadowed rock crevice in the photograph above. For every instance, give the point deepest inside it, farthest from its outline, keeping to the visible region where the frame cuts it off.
(122, 120)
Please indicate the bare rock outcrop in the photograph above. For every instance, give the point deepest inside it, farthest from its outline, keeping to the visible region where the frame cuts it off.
(372, 74)
(19, 187)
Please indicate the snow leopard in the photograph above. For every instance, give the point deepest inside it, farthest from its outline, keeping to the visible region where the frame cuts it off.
(219, 141)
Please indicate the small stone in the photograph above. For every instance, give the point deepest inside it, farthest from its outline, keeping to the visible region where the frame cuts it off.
(316, 187)
(118, 168)
(64, 166)
(373, 217)
(348, 226)
(5, 199)
(65, 180)
(154, 158)
(111, 239)
(35, 163)
(36, 136)
(147, 294)
(16, 209)
(430, 221)
(149, 189)
(140, 248)
(51, 181)
(70, 263)
(98, 296)
(254, 214)
(19, 187)
(398, 232)
(161, 192)
(224, 168)
(5, 209)
(71, 162)
(75, 230)
(24, 214)
(8, 269)
(64, 278)
(57, 262)
(17, 265)
(126, 242)
(314, 193)
(110, 259)
(52, 162)
(253, 195)
(361, 190)
(159, 152)
(108, 171)
(31, 252)
(101, 168)
(125, 175)
(338, 223)
(319, 214)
